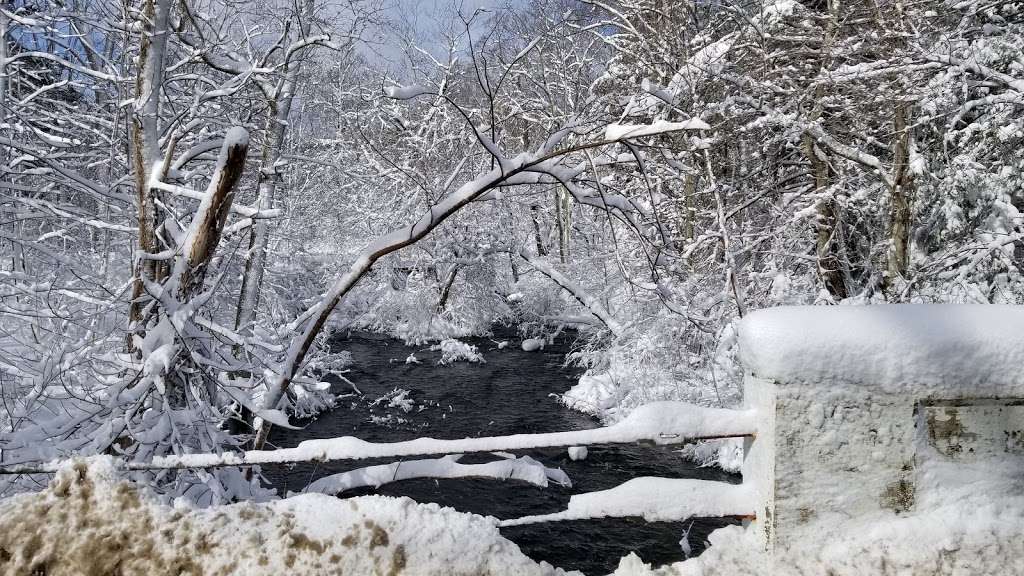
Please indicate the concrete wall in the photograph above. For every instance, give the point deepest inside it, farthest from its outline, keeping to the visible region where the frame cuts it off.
(847, 451)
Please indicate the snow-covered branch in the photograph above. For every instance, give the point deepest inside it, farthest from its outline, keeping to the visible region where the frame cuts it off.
(584, 297)
(658, 422)
(544, 160)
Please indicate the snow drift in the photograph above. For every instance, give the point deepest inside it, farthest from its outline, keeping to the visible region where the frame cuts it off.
(89, 522)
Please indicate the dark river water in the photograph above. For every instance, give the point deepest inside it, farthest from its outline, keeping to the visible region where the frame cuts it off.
(511, 393)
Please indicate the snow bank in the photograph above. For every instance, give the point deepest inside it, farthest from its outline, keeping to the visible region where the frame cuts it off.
(89, 522)
(895, 347)
(594, 394)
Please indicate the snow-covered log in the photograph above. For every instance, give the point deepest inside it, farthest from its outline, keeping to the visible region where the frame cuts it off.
(523, 468)
(654, 499)
(205, 231)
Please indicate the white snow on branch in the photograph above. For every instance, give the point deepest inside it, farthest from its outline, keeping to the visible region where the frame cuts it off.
(623, 131)
(658, 422)
(654, 499)
(246, 211)
(406, 92)
(523, 468)
(588, 300)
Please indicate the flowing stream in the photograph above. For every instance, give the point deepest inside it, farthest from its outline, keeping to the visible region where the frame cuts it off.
(509, 394)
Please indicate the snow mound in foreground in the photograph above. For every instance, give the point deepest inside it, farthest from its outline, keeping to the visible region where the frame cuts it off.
(89, 522)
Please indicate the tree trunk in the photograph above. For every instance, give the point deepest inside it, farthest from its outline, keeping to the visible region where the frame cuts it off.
(827, 226)
(564, 223)
(442, 302)
(537, 235)
(145, 148)
(902, 192)
(259, 235)
(205, 230)
(269, 178)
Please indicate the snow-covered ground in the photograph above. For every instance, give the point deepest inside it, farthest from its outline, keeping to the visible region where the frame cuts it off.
(89, 522)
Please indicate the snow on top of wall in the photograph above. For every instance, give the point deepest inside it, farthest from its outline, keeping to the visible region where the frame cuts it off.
(932, 347)
(89, 522)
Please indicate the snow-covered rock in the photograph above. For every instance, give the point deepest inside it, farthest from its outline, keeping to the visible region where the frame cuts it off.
(594, 394)
(533, 344)
(577, 453)
(453, 350)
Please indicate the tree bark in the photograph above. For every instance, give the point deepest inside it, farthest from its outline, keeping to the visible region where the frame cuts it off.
(902, 192)
(205, 232)
(828, 227)
(564, 215)
(537, 235)
(269, 177)
(446, 291)
(145, 148)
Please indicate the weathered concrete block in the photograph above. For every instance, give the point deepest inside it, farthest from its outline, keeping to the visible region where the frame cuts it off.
(828, 452)
(853, 402)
